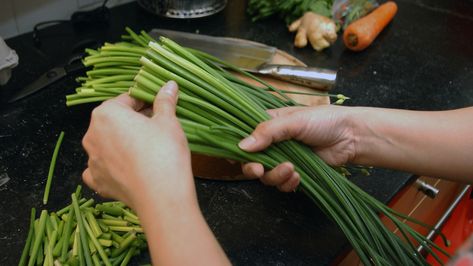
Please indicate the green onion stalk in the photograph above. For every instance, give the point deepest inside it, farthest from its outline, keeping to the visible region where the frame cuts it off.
(114, 67)
(52, 166)
(78, 235)
(217, 108)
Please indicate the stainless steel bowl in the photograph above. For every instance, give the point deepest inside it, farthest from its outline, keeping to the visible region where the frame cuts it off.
(183, 8)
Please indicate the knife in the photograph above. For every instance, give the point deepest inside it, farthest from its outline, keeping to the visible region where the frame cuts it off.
(252, 57)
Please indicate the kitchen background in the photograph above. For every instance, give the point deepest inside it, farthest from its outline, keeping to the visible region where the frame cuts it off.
(20, 16)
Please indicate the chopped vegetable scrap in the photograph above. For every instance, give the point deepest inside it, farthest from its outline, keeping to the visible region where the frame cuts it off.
(83, 234)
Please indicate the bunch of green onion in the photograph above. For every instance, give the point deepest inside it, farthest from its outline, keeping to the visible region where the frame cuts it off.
(84, 234)
(217, 109)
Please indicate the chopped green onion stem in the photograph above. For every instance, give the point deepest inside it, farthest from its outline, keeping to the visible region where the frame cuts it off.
(52, 166)
(81, 239)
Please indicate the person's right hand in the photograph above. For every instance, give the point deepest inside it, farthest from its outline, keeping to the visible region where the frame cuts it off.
(137, 159)
(327, 129)
(146, 163)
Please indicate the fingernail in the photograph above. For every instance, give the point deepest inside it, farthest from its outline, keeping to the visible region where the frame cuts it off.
(247, 142)
(170, 87)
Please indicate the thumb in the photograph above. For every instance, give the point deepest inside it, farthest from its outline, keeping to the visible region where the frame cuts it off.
(166, 100)
(274, 130)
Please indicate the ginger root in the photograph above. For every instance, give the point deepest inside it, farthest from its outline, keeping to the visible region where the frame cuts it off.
(321, 31)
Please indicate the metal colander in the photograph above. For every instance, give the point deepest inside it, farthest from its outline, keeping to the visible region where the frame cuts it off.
(183, 8)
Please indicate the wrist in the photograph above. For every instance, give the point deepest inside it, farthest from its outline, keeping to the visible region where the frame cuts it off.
(166, 194)
(357, 122)
(159, 207)
(371, 135)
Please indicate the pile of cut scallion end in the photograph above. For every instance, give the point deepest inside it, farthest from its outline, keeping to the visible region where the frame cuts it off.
(217, 109)
(84, 233)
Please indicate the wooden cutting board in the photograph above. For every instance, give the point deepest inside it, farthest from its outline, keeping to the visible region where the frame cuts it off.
(221, 169)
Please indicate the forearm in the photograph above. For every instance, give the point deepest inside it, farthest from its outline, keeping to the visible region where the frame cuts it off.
(177, 233)
(426, 143)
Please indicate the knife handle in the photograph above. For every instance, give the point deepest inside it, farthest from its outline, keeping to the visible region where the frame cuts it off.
(317, 78)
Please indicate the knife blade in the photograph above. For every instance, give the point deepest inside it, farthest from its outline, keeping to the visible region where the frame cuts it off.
(44, 80)
(252, 57)
(72, 65)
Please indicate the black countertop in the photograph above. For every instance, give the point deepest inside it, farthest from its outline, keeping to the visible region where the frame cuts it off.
(422, 61)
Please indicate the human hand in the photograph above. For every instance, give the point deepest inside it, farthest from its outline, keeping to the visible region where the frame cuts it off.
(326, 129)
(133, 157)
(321, 31)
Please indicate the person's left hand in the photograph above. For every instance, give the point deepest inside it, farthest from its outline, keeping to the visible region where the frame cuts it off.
(133, 157)
(326, 129)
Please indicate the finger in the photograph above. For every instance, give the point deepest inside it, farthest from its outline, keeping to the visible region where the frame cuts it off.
(86, 143)
(89, 179)
(284, 111)
(127, 101)
(166, 100)
(291, 184)
(279, 175)
(91, 182)
(295, 25)
(301, 38)
(253, 170)
(274, 130)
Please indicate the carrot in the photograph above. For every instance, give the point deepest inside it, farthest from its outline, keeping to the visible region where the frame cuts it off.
(362, 32)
